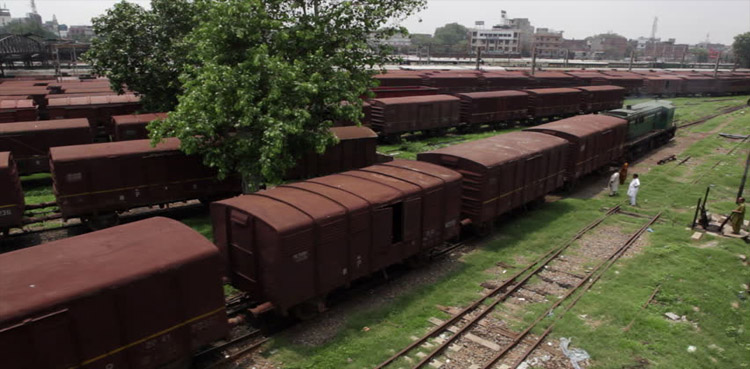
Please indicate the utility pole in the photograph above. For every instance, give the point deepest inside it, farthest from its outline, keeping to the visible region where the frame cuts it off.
(632, 56)
(479, 56)
(744, 176)
(682, 63)
(533, 61)
(716, 67)
(567, 55)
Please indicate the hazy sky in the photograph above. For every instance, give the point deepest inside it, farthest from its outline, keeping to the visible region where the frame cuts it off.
(687, 21)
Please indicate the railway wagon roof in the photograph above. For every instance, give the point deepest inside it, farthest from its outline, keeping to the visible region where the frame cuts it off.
(39, 277)
(492, 151)
(581, 125)
(109, 149)
(492, 94)
(448, 175)
(4, 160)
(353, 132)
(414, 99)
(44, 125)
(92, 100)
(17, 104)
(601, 88)
(137, 118)
(551, 91)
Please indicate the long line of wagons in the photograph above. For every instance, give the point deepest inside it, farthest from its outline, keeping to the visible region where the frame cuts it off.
(157, 297)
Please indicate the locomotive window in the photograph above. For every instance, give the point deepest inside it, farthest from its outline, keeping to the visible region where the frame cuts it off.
(397, 233)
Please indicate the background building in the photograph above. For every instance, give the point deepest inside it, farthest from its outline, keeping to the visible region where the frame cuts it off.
(512, 37)
(609, 46)
(548, 43)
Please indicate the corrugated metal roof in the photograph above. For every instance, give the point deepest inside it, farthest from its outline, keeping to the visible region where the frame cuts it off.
(43, 125)
(92, 100)
(414, 99)
(99, 150)
(493, 94)
(353, 132)
(137, 118)
(17, 104)
(545, 91)
(581, 125)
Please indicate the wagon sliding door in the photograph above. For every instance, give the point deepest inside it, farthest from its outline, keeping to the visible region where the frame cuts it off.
(241, 258)
(382, 235)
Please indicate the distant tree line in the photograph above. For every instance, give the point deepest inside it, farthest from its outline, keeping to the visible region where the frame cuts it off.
(25, 27)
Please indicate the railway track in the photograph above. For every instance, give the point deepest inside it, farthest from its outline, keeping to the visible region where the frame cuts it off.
(476, 319)
(702, 120)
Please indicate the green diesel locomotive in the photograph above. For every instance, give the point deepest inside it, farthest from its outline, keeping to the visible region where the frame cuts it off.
(650, 125)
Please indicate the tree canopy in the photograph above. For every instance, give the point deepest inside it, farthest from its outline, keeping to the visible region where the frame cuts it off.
(267, 78)
(451, 37)
(144, 49)
(25, 27)
(741, 47)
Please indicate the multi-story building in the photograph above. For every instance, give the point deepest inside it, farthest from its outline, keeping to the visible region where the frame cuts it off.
(665, 50)
(577, 49)
(510, 37)
(609, 46)
(5, 17)
(81, 32)
(547, 43)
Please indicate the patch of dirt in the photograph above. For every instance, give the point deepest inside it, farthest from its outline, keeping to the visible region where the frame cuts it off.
(707, 245)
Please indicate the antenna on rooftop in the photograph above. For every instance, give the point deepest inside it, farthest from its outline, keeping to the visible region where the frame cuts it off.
(33, 7)
(653, 28)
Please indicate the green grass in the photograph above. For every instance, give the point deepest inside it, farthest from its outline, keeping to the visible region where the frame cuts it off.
(411, 146)
(37, 188)
(708, 278)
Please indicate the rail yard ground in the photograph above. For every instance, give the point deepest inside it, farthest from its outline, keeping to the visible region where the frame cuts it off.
(705, 281)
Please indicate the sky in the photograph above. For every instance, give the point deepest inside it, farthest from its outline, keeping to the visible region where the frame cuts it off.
(687, 21)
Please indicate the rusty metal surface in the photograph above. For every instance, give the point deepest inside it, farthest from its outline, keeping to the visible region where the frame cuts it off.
(503, 172)
(599, 98)
(11, 194)
(139, 295)
(17, 110)
(401, 91)
(494, 106)
(414, 113)
(294, 243)
(506, 81)
(552, 102)
(97, 109)
(662, 85)
(117, 176)
(393, 79)
(356, 149)
(132, 126)
(30, 141)
(454, 82)
(596, 140)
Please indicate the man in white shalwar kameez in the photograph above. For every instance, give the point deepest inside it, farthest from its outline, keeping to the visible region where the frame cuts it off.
(635, 184)
(614, 183)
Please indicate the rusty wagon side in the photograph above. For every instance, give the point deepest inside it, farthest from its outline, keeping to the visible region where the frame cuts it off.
(11, 195)
(291, 245)
(398, 115)
(137, 296)
(494, 106)
(599, 98)
(132, 126)
(503, 172)
(553, 102)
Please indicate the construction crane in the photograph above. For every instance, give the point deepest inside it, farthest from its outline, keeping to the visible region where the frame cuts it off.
(33, 7)
(653, 28)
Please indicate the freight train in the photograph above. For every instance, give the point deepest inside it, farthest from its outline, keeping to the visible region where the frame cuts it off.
(96, 182)
(288, 247)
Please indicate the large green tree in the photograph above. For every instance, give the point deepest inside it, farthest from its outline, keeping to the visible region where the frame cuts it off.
(741, 47)
(26, 27)
(268, 78)
(451, 37)
(144, 50)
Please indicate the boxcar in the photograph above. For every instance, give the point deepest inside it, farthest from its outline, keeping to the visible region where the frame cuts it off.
(698, 85)
(98, 109)
(96, 181)
(662, 85)
(11, 195)
(132, 126)
(142, 295)
(356, 149)
(291, 245)
(399, 78)
(453, 82)
(587, 78)
(553, 79)
(598, 98)
(415, 113)
(503, 172)
(554, 102)
(401, 91)
(632, 83)
(595, 141)
(17, 111)
(496, 81)
(494, 106)
(30, 141)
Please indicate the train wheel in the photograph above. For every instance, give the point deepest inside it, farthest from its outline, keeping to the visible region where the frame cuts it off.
(97, 222)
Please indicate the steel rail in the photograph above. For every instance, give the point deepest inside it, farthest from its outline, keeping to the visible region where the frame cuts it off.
(706, 118)
(544, 259)
(591, 278)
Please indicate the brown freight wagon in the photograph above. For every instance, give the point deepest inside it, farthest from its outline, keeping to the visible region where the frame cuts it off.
(554, 102)
(11, 195)
(133, 126)
(599, 98)
(98, 109)
(401, 91)
(453, 82)
(698, 85)
(399, 79)
(503, 172)
(494, 106)
(497, 81)
(30, 141)
(391, 117)
(586, 78)
(357, 148)
(142, 295)
(291, 245)
(96, 181)
(662, 85)
(632, 84)
(36, 93)
(553, 80)
(17, 111)
(595, 141)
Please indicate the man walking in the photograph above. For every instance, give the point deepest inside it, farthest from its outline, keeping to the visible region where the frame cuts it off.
(623, 173)
(614, 183)
(635, 185)
(738, 216)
